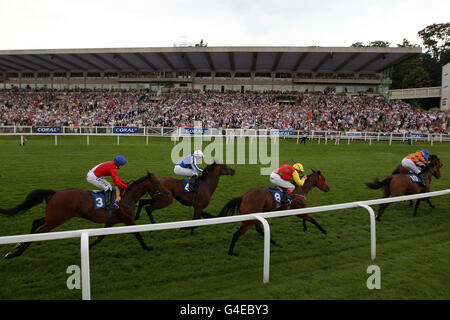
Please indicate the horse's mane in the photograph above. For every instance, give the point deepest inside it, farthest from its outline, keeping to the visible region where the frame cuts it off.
(137, 182)
(209, 169)
(433, 157)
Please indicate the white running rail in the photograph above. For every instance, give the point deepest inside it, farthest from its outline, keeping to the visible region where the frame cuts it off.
(86, 233)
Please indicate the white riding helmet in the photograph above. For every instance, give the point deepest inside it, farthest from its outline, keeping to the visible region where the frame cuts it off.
(198, 154)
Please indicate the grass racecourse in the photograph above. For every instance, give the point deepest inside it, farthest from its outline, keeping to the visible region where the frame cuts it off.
(413, 253)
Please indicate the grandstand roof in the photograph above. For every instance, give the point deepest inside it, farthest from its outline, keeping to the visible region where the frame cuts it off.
(259, 59)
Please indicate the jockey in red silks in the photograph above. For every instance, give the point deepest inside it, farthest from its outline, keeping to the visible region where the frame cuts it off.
(282, 177)
(96, 176)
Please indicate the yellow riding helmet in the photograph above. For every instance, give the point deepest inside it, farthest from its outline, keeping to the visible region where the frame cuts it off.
(298, 167)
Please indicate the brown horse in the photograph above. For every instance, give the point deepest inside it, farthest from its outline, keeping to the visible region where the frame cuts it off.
(401, 170)
(261, 200)
(208, 182)
(434, 159)
(400, 184)
(63, 205)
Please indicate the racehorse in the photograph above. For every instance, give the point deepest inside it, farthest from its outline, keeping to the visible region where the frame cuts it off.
(208, 182)
(434, 159)
(62, 205)
(400, 184)
(401, 170)
(261, 200)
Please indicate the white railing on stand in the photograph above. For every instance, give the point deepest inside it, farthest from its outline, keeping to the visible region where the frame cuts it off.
(176, 133)
(86, 233)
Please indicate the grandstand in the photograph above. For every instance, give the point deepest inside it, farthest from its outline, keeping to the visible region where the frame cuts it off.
(341, 69)
(318, 88)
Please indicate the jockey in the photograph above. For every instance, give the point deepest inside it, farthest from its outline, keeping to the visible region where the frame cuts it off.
(187, 167)
(414, 163)
(282, 176)
(96, 176)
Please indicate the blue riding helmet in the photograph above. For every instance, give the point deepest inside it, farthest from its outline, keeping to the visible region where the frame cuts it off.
(425, 154)
(119, 160)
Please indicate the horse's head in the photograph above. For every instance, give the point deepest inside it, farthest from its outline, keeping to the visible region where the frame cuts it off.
(435, 166)
(225, 170)
(220, 169)
(318, 180)
(149, 183)
(154, 186)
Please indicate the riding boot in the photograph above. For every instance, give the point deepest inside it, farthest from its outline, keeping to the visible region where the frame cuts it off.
(285, 197)
(193, 184)
(422, 176)
(108, 196)
(114, 197)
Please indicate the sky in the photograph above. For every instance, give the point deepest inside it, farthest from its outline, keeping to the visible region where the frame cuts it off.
(70, 24)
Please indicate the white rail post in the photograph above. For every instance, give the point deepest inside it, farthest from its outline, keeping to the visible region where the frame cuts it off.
(266, 270)
(85, 276)
(373, 237)
(87, 139)
(118, 142)
(56, 140)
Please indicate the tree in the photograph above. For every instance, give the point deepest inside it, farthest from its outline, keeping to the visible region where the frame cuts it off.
(379, 43)
(436, 38)
(406, 44)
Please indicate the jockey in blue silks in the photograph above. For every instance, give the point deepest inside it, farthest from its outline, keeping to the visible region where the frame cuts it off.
(187, 167)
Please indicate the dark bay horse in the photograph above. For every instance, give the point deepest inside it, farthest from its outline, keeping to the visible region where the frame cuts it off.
(208, 182)
(434, 159)
(400, 184)
(63, 205)
(257, 200)
(401, 170)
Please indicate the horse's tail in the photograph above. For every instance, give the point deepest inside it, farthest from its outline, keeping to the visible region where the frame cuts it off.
(33, 199)
(378, 184)
(231, 207)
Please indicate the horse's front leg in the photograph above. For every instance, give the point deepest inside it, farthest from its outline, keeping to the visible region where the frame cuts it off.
(142, 202)
(197, 215)
(313, 221)
(429, 203)
(416, 207)
(127, 218)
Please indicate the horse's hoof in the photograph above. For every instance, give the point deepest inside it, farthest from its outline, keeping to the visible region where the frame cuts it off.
(233, 254)
(324, 232)
(148, 248)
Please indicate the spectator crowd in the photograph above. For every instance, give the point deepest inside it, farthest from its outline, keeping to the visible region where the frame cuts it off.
(257, 110)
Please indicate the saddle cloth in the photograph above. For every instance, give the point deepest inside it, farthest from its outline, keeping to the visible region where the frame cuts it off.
(277, 194)
(414, 178)
(98, 196)
(185, 185)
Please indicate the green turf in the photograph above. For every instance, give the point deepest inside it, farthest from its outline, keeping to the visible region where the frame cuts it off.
(412, 252)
